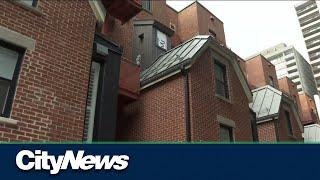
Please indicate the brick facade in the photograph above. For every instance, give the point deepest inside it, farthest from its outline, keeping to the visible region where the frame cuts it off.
(206, 107)
(277, 130)
(308, 109)
(159, 114)
(258, 72)
(50, 98)
(266, 132)
(283, 127)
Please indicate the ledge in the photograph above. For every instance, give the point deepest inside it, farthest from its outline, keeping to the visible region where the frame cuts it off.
(223, 98)
(34, 10)
(226, 122)
(17, 38)
(8, 121)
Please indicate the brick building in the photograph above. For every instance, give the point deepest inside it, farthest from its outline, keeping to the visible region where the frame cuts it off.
(52, 55)
(275, 102)
(74, 72)
(194, 92)
(46, 50)
(64, 80)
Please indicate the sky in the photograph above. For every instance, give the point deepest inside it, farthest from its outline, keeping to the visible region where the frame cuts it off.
(253, 26)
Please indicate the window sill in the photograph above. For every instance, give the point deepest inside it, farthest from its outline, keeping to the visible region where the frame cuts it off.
(223, 98)
(34, 10)
(8, 121)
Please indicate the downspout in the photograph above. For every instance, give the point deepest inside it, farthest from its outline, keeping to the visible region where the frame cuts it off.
(185, 74)
(277, 125)
(254, 126)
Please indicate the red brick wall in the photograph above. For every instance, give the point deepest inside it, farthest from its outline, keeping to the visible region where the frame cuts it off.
(308, 109)
(158, 114)
(51, 94)
(173, 17)
(266, 132)
(289, 87)
(283, 127)
(189, 29)
(205, 23)
(205, 106)
(258, 70)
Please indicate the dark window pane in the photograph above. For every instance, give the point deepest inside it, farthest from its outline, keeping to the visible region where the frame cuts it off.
(271, 83)
(219, 72)
(220, 88)
(4, 90)
(221, 82)
(226, 134)
(146, 4)
(289, 122)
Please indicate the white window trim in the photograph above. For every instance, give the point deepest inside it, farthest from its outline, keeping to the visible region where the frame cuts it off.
(8, 121)
(228, 123)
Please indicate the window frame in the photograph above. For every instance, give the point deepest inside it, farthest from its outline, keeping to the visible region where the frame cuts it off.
(33, 5)
(271, 81)
(157, 40)
(230, 131)
(288, 122)
(226, 80)
(150, 4)
(228, 123)
(13, 83)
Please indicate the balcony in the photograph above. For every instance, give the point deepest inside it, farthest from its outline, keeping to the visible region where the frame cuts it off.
(123, 10)
(129, 81)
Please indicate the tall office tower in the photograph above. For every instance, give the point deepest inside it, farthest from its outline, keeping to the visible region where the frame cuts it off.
(309, 19)
(290, 63)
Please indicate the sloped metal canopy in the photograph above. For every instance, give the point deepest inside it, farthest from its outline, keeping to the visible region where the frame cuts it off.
(266, 102)
(175, 57)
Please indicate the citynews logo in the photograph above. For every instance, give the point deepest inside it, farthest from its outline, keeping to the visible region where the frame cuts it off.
(40, 160)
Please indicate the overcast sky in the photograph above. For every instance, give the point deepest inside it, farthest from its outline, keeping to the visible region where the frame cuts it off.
(252, 26)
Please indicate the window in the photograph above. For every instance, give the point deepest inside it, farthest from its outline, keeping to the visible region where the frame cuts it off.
(9, 68)
(32, 3)
(162, 41)
(146, 4)
(226, 134)
(221, 82)
(288, 122)
(271, 83)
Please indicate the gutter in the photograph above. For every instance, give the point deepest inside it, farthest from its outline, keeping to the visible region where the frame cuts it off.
(185, 74)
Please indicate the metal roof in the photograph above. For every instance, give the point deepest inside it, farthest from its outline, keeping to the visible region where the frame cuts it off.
(175, 57)
(266, 102)
(184, 55)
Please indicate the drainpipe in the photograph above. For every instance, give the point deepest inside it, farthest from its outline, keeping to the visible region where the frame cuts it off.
(277, 126)
(185, 74)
